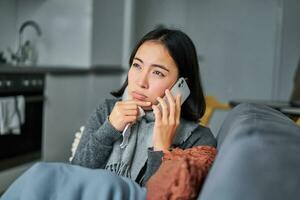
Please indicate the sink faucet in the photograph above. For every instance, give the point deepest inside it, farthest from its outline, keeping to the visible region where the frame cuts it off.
(26, 51)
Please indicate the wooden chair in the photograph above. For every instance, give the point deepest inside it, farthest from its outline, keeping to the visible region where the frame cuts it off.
(298, 121)
(211, 105)
(296, 87)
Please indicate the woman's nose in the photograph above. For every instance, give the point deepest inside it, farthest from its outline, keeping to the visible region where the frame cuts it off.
(142, 80)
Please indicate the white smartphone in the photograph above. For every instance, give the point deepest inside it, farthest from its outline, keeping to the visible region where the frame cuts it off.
(180, 87)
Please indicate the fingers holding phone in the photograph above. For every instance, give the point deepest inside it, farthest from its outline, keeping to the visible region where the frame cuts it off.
(167, 119)
(178, 109)
(174, 107)
(169, 108)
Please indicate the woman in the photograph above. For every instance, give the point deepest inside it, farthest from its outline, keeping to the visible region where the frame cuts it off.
(159, 59)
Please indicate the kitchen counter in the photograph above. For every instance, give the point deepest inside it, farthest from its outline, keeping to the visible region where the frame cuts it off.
(63, 70)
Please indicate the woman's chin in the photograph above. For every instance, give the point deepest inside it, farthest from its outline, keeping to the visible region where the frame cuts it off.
(147, 108)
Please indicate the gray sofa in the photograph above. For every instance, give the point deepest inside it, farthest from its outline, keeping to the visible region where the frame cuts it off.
(259, 157)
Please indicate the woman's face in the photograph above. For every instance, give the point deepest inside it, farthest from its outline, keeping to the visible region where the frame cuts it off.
(153, 71)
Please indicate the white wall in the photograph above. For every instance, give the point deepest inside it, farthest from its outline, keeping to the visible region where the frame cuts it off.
(107, 32)
(290, 49)
(66, 27)
(8, 26)
(155, 12)
(237, 40)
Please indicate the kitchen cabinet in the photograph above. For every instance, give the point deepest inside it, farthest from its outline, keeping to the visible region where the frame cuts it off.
(70, 101)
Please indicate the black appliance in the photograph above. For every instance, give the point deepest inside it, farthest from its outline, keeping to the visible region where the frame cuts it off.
(27, 146)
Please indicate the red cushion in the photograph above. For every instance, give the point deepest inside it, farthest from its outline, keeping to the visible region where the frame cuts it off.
(181, 174)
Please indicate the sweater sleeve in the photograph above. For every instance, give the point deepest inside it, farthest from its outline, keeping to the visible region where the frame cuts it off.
(200, 136)
(97, 140)
(153, 163)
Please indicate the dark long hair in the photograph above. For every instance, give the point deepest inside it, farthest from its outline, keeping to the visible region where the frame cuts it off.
(183, 52)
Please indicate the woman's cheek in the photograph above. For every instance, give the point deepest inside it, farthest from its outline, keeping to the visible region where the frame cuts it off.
(159, 91)
(130, 76)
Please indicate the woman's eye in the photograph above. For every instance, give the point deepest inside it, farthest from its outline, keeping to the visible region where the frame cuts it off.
(136, 65)
(159, 73)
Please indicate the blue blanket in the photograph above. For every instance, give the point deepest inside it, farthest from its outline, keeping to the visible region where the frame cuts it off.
(68, 182)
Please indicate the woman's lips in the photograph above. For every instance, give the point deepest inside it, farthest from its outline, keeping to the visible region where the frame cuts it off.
(138, 96)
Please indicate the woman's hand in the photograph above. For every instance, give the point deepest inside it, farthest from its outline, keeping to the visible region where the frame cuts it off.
(125, 112)
(166, 122)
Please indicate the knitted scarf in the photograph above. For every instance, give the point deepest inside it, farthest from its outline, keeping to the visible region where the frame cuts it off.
(130, 160)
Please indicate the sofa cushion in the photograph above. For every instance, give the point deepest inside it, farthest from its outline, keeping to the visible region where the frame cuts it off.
(181, 174)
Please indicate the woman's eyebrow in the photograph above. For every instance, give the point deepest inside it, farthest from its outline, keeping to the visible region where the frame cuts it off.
(161, 66)
(136, 58)
(154, 65)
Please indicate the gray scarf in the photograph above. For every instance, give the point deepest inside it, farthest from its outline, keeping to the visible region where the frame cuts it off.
(130, 160)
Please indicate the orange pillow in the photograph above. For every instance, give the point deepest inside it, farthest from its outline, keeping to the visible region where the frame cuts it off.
(181, 173)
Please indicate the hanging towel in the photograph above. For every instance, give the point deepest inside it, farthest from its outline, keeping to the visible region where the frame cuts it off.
(12, 114)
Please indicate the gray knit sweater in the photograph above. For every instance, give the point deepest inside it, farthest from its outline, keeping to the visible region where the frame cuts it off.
(97, 141)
